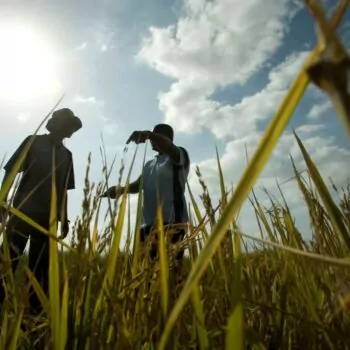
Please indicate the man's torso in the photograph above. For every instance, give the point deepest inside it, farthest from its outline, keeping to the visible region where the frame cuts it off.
(158, 189)
(34, 192)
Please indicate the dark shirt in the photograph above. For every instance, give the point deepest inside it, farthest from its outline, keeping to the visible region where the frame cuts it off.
(34, 191)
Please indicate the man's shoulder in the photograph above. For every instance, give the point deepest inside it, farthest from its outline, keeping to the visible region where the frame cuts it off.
(185, 155)
(30, 139)
(183, 149)
(149, 162)
(67, 150)
(39, 138)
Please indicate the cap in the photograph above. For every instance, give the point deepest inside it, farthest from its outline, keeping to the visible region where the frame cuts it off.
(63, 118)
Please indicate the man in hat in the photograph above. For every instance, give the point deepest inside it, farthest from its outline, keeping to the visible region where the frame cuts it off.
(164, 181)
(33, 196)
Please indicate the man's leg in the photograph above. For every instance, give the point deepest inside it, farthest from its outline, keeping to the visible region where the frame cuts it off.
(144, 234)
(177, 237)
(17, 237)
(39, 260)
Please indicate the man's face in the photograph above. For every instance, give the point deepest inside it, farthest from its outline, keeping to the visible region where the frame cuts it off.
(154, 146)
(67, 131)
(158, 131)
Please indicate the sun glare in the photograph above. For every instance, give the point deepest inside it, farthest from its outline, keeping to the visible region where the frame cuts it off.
(27, 65)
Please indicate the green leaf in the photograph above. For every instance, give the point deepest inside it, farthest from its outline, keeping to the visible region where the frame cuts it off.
(333, 211)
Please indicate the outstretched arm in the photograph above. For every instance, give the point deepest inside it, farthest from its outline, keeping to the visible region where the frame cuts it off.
(133, 187)
(116, 191)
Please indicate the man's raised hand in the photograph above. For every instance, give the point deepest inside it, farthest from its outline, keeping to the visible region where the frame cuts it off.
(138, 137)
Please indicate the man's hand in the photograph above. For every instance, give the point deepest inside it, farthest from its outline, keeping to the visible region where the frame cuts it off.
(113, 192)
(64, 229)
(139, 137)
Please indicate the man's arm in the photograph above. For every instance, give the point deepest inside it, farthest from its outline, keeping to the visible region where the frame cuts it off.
(165, 145)
(64, 217)
(133, 187)
(70, 185)
(11, 163)
(116, 191)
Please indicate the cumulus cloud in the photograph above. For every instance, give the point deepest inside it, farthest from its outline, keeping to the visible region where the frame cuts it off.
(104, 38)
(110, 128)
(328, 157)
(309, 128)
(23, 118)
(189, 108)
(210, 41)
(207, 49)
(82, 46)
(318, 110)
(89, 100)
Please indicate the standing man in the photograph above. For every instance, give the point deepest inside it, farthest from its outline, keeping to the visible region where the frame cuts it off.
(164, 180)
(33, 196)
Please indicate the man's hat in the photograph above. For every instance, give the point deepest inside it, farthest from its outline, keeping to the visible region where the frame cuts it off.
(63, 118)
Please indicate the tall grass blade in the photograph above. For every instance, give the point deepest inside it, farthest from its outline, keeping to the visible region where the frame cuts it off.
(44, 300)
(163, 263)
(54, 280)
(332, 209)
(64, 311)
(16, 332)
(235, 334)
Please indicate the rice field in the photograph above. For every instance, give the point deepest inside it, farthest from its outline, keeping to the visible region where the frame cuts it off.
(281, 293)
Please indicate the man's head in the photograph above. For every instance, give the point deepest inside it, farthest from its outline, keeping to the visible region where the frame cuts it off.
(164, 130)
(63, 123)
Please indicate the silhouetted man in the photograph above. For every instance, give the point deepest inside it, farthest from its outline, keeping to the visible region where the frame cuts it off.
(33, 196)
(165, 176)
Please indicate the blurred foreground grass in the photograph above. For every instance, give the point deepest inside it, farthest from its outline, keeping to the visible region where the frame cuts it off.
(284, 293)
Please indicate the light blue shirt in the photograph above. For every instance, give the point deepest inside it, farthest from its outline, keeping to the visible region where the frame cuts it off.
(158, 184)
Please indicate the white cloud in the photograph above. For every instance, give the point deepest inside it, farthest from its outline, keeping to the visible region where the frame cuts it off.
(309, 128)
(103, 118)
(213, 45)
(328, 157)
(89, 100)
(211, 42)
(110, 128)
(319, 109)
(82, 46)
(104, 39)
(23, 118)
(188, 108)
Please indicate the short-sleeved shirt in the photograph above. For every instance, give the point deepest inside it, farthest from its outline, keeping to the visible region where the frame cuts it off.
(158, 183)
(33, 194)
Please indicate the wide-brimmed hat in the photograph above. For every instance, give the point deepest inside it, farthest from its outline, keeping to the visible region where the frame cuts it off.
(63, 118)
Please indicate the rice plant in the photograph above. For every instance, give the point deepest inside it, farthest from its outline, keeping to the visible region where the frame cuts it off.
(281, 293)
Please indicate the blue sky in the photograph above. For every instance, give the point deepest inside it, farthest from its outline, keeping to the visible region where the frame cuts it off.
(215, 70)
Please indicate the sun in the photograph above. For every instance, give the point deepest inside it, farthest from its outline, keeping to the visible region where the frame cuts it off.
(27, 64)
